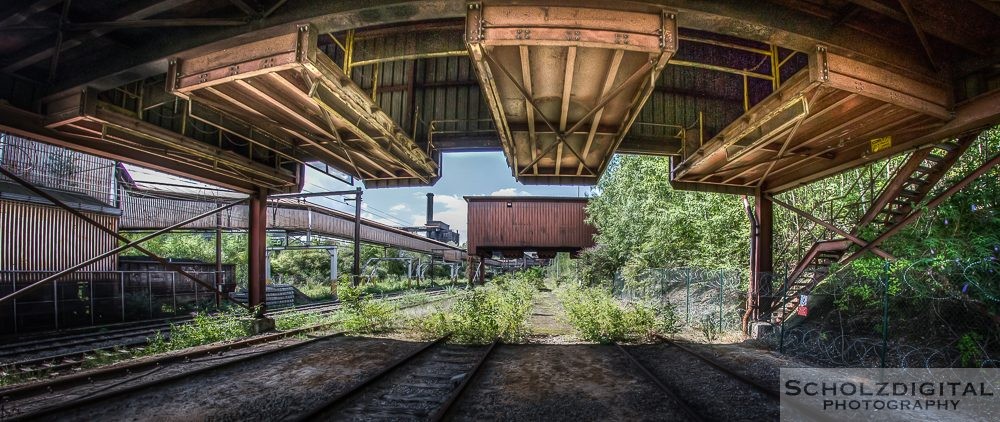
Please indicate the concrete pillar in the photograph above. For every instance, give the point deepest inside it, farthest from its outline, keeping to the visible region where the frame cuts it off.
(334, 260)
(267, 265)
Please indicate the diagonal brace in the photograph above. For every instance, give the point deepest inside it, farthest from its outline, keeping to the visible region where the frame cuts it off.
(858, 241)
(168, 265)
(560, 135)
(993, 162)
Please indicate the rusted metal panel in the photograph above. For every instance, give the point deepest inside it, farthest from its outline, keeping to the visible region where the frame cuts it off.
(564, 84)
(835, 107)
(517, 224)
(44, 238)
(289, 88)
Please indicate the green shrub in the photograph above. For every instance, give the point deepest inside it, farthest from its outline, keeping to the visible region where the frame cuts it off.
(364, 315)
(709, 327)
(204, 329)
(600, 317)
(500, 310)
(969, 350)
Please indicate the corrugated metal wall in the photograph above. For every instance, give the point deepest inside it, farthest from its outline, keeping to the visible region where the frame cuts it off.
(445, 89)
(528, 224)
(42, 238)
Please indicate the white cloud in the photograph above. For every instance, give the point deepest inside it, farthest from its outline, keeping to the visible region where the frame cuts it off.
(399, 208)
(452, 210)
(378, 219)
(510, 192)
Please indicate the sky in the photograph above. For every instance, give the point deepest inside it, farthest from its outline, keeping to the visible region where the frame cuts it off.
(466, 173)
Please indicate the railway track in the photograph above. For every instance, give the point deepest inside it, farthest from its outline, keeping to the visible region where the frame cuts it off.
(132, 373)
(35, 362)
(144, 369)
(419, 386)
(686, 369)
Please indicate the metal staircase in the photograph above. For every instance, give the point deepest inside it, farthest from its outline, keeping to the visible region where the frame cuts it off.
(813, 268)
(912, 183)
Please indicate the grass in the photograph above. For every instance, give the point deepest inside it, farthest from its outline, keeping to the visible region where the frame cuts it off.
(364, 315)
(361, 314)
(316, 291)
(600, 317)
(321, 290)
(500, 310)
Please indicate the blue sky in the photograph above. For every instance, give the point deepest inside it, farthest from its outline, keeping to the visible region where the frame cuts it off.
(467, 173)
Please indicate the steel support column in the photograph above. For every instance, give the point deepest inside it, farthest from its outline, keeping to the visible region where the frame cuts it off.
(256, 252)
(356, 266)
(763, 259)
(218, 257)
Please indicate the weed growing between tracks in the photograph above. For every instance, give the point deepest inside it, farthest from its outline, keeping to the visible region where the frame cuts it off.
(481, 315)
(600, 317)
(364, 315)
(204, 329)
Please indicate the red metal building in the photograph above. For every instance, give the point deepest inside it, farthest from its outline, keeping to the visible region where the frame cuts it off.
(511, 226)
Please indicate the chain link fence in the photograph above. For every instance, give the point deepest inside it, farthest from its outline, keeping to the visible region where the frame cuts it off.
(924, 313)
(709, 301)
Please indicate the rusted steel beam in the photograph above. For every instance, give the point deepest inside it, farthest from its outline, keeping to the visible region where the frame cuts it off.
(356, 264)
(764, 249)
(892, 189)
(114, 251)
(858, 241)
(169, 266)
(905, 4)
(288, 80)
(993, 162)
(555, 47)
(971, 116)
(838, 106)
(787, 27)
(29, 125)
(152, 9)
(17, 13)
(256, 252)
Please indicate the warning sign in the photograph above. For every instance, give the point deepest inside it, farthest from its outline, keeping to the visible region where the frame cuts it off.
(879, 144)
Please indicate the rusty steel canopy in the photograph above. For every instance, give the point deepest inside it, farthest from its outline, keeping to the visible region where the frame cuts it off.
(838, 109)
(286, 87)
(82, 117)
(564, 84)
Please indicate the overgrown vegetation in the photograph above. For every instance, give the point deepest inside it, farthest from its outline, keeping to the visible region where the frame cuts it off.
(204, 329)
(362, 314)
(499, 310)
(599, 316)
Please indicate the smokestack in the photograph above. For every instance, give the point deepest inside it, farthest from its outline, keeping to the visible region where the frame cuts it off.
(430, 208)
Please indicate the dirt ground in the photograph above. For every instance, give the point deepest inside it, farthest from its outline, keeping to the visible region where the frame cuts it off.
(548, 322)
(565, 382)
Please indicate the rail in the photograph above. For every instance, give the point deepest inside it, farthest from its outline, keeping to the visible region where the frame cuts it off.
(107, 296)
